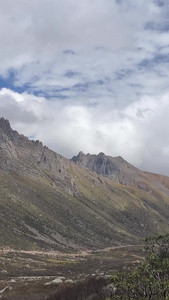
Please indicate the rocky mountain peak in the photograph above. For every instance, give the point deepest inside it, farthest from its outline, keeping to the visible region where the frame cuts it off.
(101, 154)
(116, 168)
(5, 125)
(79, 157)
(6, 129)
(101, 163)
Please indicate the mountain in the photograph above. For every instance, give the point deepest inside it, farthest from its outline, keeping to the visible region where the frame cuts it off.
(91, 201)
(122, 172)
(115, 168)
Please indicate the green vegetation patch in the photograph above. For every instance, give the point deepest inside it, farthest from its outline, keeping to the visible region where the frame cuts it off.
(150, 279)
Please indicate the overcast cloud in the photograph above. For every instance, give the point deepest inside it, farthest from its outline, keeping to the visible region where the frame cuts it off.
(89, 76)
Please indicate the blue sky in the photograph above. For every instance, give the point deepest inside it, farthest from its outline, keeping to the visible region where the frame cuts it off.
(89, 76)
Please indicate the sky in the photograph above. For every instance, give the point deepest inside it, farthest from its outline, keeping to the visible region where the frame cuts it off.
(90, 75)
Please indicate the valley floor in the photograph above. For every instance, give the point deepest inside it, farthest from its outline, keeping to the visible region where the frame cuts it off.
(26, 272)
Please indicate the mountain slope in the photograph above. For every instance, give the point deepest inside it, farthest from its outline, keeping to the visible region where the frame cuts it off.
(49, 202)
(120, 171)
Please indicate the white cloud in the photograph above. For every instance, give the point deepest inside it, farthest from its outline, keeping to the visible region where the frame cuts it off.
(103, 65)
(37, 30)
(138, 132)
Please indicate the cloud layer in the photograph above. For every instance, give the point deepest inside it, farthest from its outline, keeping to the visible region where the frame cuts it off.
(90, 75)
(139, 132)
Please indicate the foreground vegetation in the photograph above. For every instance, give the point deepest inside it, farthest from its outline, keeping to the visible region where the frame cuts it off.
(150, 280)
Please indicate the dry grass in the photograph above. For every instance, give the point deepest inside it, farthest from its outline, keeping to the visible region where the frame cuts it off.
(81, 290)
(28, 287)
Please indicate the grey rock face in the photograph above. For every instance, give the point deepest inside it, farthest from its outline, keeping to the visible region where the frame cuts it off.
(101, 164)
(30, 158)
(116, 168)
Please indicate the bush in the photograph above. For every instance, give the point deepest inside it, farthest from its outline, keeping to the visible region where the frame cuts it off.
(150, 280)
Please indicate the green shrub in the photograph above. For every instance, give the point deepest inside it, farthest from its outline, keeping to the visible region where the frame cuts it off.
(150, 280)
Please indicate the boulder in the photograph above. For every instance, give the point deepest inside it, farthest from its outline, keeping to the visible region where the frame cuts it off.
(55, 281)
(6, 289)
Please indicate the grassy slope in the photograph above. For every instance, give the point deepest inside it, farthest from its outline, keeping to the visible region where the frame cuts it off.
(35, 214)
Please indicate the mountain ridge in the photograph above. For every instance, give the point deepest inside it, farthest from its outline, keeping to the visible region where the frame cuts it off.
(119, 170)
(50, 202)
(107, 166)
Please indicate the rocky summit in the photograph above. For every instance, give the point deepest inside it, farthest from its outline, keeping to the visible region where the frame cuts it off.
(48, 202)
(116, 168)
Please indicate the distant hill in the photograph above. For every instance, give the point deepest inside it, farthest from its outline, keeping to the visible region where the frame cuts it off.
(91, 201)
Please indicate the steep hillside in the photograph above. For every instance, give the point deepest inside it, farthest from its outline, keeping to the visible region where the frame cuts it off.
(120, 171)
(49, 202)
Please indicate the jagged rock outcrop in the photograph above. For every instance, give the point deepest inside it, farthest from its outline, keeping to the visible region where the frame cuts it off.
(101, 164)
(30, 158)
(116, 168)
(120, 171)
